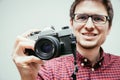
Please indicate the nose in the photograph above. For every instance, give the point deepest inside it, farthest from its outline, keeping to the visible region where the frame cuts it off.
(89, 26)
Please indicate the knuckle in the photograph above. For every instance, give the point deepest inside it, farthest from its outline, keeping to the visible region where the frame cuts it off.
(20, 44)
(18, 38)
(32, 58)
(17, 61)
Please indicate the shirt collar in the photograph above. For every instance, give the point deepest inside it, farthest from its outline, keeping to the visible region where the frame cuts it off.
(86, 63)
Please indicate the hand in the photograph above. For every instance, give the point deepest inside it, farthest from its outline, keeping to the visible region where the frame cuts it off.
(28, 66)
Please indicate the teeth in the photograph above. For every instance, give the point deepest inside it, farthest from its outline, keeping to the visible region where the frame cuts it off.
(89, 34)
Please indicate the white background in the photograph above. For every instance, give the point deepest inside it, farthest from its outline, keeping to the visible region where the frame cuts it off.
(17, 16)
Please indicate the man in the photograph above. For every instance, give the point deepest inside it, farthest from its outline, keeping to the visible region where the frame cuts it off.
(91, 21)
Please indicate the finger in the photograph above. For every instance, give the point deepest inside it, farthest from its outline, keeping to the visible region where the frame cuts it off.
(25, 61)
(33, 59)
(20, 39)
(24, 36)
(21, 46)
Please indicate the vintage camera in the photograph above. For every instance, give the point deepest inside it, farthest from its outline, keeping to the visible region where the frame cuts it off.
(51, 43)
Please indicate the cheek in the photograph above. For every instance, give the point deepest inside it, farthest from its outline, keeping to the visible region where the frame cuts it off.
(103, 31)
(103, 27)
(77, 27)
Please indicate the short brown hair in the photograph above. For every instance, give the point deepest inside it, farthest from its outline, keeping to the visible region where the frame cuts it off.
(106, 3)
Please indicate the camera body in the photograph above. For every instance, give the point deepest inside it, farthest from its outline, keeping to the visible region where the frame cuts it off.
(51, 43)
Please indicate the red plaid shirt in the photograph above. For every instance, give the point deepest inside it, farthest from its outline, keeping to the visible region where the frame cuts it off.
(107, 68)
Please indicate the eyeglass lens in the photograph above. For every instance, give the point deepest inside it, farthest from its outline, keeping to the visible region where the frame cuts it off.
(82, 18)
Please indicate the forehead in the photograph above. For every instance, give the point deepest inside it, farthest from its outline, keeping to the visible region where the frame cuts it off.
(91, 7)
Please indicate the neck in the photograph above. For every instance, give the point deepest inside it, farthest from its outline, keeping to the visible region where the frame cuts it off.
(92, 54)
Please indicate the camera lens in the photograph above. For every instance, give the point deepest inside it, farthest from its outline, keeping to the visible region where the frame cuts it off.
(47, 47)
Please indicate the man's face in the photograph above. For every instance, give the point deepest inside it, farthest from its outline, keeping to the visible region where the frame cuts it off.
(91, 33)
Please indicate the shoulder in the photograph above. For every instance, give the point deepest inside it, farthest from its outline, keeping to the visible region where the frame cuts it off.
(112, 58)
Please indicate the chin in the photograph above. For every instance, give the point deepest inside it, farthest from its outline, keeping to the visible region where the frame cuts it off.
(88, 46)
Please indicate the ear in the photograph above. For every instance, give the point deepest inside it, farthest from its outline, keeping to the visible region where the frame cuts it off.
(71, 22)
(109, 29)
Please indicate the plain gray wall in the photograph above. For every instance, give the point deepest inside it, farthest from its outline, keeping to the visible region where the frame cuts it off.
(17, 16)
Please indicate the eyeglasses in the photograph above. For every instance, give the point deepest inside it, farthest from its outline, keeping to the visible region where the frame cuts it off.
(96, 19)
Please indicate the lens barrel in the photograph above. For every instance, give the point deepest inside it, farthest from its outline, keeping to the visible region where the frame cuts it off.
(47, 47)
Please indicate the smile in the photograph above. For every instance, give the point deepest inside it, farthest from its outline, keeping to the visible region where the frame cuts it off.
(89, 34)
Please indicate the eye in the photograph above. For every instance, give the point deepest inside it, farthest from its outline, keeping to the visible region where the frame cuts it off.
(99, 18)
(82, 17)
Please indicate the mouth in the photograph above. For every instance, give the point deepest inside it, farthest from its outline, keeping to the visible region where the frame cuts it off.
(89, 36)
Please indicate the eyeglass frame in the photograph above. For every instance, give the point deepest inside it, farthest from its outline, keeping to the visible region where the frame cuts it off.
(107, 18)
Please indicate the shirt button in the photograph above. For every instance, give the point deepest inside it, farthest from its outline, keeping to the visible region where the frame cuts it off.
(93, 69)
(85, 60)
(82, 64)
(100, 63)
